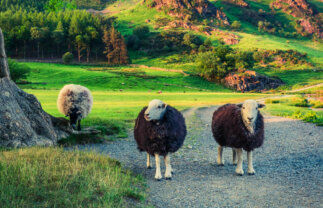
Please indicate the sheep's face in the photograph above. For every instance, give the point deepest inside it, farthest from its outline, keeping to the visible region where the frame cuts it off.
(74, 115)
(249, 111)
(155, 111)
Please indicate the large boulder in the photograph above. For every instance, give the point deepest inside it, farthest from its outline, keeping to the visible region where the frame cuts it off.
(250, 81)
(23, 122)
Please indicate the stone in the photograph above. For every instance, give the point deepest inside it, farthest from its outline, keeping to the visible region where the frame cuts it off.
(23, 122)
(250, 81)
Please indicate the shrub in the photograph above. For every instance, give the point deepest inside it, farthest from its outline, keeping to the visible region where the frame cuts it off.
(272, 101)
(236, 25)
(67, 58)
(316, 104)
(210, 66)
(223, 59)
(310, 117)
(190, 39)
(141, 31)
(18, 70)
(299, 102)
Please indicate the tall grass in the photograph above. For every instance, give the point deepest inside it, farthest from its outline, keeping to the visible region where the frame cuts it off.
(53, 177)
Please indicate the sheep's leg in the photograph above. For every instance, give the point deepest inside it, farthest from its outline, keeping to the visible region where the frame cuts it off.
(234, 156)
(220, 158)
(239, 169)
(168, 172)
(79, 125)
(158, 175)
(148, 161)
(251, 171)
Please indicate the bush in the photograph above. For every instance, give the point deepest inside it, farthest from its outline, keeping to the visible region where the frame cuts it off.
(18, 70)
(141, 31)
(236, 25)
(67, 58)
(316, 104)
(210, 66)
(272, 101)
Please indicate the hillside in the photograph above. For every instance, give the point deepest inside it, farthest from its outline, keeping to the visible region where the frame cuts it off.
(212, 39)
(261, 24)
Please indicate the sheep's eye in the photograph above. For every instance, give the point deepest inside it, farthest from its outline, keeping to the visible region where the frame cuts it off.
(257, 108)
(243, 107)
(159, 106)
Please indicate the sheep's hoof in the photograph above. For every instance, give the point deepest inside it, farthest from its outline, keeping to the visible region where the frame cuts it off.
(251, 173)
(149, 167)
(221, 164)
(168, 178)
(157, 179)
(239, 172)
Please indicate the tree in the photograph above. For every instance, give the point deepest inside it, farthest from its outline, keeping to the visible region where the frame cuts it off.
(58, 35)
(67, 58)
(80, 46)
(236, 25)
(4, 70)
(115, 47)
(36, 35)
(59, 5)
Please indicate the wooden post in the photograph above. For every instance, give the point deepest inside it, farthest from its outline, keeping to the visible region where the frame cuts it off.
(4, 69)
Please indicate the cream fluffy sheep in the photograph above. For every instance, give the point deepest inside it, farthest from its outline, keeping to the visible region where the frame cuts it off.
(76, 102)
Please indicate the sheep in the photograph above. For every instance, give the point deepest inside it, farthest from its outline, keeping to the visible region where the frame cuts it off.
(76, 102)
(240, 127)
(160, 130)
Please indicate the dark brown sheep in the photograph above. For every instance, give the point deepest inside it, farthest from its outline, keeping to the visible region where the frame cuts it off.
(160, 130)
(239, 127)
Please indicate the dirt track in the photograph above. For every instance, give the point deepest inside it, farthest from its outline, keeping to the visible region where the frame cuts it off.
(289, 167)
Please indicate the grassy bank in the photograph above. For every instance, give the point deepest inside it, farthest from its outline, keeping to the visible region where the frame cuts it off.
(296, 107)
(52, 177)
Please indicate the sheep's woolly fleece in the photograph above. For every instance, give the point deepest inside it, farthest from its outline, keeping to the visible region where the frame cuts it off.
(75, 96)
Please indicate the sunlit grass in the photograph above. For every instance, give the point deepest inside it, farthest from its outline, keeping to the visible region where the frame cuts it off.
(53, 177)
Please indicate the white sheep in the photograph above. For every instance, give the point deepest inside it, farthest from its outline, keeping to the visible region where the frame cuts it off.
(76, 102)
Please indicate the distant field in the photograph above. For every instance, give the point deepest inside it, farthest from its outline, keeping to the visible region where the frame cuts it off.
(55, 76)
(125, 106)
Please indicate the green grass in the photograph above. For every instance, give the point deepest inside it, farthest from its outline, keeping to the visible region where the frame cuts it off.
(55, 76)
(295, 107)
(129, 17)
(53, 177)
(124, 106)
(295, 78)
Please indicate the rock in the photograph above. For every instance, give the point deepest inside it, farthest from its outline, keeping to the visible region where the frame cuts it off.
(310, 20)
(240, 3)
(22, 119)
(196, 9)
(250, 81)
(32, 126)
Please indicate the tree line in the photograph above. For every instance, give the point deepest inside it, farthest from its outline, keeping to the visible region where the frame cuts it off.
(33, 34)
(42, 5)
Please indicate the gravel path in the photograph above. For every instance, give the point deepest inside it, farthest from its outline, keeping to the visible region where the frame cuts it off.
(288, 167)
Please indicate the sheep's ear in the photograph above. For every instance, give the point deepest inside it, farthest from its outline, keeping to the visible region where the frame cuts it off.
(240, 105)
(261, 105)
(164, 105)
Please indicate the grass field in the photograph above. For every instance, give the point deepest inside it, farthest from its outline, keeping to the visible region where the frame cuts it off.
(296, 107)
(55, 76)
(53, 177)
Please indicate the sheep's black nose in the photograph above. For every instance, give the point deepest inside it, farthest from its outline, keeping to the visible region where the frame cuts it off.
(250, 119)
(146, 114)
